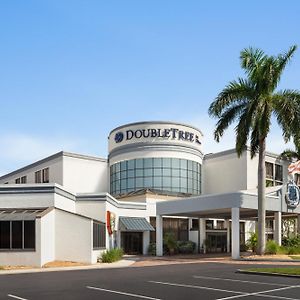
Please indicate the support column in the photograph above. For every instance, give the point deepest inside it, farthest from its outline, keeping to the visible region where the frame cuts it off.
(235, 234)
(146, 242)
(202, 228)
(277, 229)
(159, 235)
(227, 222)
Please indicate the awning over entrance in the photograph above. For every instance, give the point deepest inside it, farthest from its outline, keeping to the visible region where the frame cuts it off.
(135, 224)
(19, 214)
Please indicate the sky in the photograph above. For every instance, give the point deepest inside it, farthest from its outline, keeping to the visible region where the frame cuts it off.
(71, 71)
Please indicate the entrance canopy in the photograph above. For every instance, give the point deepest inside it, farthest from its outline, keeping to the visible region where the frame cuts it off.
(135, 224)
(231, 206)
(220, 205)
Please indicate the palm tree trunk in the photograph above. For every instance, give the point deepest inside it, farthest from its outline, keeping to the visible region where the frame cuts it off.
(261, 197)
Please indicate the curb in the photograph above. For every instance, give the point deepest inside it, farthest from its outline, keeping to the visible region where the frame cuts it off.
(116, 265)
(270, 260)
(266, 273)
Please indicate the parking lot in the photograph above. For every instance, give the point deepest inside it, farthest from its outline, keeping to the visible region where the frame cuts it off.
(181, 281)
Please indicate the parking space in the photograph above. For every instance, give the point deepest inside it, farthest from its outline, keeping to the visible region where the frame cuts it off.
(192, 281)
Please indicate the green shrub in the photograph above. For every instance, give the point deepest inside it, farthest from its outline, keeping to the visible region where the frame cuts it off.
(252, 241)
(152, 249)
(170, 242)
(291, 241)
(293, 250)
(186, 247)
(112, 255)
(272, 247)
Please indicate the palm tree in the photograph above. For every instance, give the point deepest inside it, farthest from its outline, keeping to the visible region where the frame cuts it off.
(251, 102)
(291, 154)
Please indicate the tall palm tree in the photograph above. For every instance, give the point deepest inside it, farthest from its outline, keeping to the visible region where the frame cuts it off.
(251, 102)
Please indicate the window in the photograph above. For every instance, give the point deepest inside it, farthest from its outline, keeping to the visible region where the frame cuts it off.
(6, 182)
(4, 235)
(17, 235)
(195, 224)
(46, 175)
(38, 176)
(278, 173)
(29, 234)
(18, 181)
(99, 235)
(24, 179)
(209, 224)
(168, 175)
(269, 170)
(220, 224)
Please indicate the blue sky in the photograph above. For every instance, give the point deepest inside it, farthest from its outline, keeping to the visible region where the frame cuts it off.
(73, 70)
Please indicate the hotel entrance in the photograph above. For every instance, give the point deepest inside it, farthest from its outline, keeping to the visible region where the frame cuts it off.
(132, 242)
(216, 242)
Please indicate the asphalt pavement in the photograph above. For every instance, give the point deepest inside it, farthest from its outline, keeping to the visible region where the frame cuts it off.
(182, 281)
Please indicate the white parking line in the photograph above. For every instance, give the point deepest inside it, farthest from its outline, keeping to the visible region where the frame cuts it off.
(123, 293)
(239, 294)
(236, 280)
(15, 297)
(262, 294)
(197, 287)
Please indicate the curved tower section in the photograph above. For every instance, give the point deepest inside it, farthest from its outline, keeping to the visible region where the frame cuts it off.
(164, 157)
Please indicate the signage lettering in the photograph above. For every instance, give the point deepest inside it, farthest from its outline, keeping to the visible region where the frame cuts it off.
(168, 133)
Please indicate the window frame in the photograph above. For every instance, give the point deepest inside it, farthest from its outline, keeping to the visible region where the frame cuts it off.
(22, 248)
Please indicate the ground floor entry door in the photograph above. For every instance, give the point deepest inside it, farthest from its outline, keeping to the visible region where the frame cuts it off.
(132, 242)
(216, 242)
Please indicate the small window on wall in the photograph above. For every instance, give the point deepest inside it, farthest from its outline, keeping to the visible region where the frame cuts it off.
(278, 173)
(18, 181)
(269, 170)
(24, 179)
(209, 224)
(195, 224)
(99, 234)
(46, 175)
(38, 176)
(220, 224)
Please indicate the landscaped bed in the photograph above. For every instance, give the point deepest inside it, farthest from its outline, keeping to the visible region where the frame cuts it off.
(279, 271)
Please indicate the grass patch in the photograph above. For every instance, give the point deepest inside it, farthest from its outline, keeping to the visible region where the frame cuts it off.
(285, 271)
(112, 255)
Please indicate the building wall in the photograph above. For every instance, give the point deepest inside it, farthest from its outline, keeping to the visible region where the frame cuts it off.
(64, 203)
(93, 209)
(24, 258)
(224, 172)
(252, 168)
(73, 237)
(85, 175)
(26, 200)
(55, 172)
(47, 237)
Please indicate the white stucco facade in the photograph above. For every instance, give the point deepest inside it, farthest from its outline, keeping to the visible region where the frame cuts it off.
(155, 173)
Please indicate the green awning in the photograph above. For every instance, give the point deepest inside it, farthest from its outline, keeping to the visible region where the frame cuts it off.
(135, 224)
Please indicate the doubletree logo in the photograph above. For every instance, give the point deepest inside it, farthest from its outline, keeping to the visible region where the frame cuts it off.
(119, 137)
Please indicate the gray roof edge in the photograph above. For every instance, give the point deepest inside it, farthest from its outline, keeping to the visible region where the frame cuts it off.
(155, 122)
(50, 158)
(233, 151)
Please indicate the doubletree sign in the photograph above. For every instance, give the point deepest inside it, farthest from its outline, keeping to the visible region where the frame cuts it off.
(293, 195)
(167, 133)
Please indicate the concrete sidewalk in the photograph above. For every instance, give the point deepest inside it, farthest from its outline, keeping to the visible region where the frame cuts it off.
(126, 262)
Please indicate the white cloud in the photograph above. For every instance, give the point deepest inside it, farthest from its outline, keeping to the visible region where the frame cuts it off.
(18, 149)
